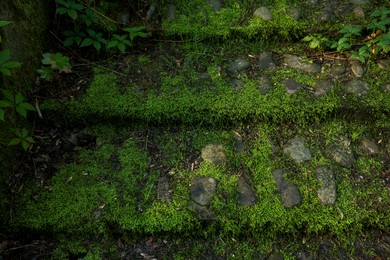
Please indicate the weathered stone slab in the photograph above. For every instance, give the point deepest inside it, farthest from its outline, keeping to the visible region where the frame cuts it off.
(288, 191)
(291, 85)
(265, 85)
(214, 153)
(264, 13)
(163, 189)
(246, 196)
(357, 87)
(239, 64)
(203, 189)
(369, 147)
(327, 191)
(265, 61)
(296, 62)
(297, 150)
(341, 152)
(322, 87)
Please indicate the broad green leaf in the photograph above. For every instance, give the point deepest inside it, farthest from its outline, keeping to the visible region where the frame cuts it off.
(86, 42)
(12, 64)
(5, 23)
(29, 139)
(122, 47)
(307, 39)
(15, 141)
(5, 71)
(128, 43)
(6, 103)
(112, 44)
(24, 132)
(26, 106)
(4, 56)
(62, 10)
(46, 59)
(314, 44)
(18, 98)
(21, 112)
(69, 41)
(97, 45)
(8, 95)
(72, 14)
(25, 145)
(2, 114)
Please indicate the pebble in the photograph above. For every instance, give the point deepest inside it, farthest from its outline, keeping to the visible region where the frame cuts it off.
(264, 13)
(203, 189)
(327, 191)
(357, 69)
(214, 153)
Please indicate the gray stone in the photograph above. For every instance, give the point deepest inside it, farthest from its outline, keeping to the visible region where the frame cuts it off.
(265, 61)
(358, 12)
(322, 87)
(326, 14)
(203, 211)
(295, 62)
(265, 84)
(387, 87)
(237, 84)
(203, 189)
(214, 153)
(383, 64)
(263, 13)
(246, 196)
(291, 85)
(297, 150)
(337, 69)
(357, 87)
(288, 191)
(163, 189)
(295, 13)
(357, 69)
(341, 152)
(360, 2)
(239, 64)
(171, 12)
(369, 147)
(327, 191)
(238, 144)
(215, 4)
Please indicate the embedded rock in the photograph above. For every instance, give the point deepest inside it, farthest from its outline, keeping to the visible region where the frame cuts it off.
(297, 150)
(387, 87)
(383, 64)
(291, 85)
(337, 70)
(322, 87)
(214, 153)
(341, 152)
(246, 196)
(358, 12)
(295, 62)
(239, 64)
(288, 191)
(163, 189)
(357, 69)
(171, 12)
(215, 4)
(369, 147)
(327, 191)
(265, 61)
(265, 85)
(238, 84)
(238, 144)
(295, 13)
(357, 87)
(263, 13)
(203, 189)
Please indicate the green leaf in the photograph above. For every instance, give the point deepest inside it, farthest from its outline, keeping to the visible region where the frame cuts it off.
(86, 42)
(4, 56)
(5, 71)
(1, 114)
(21, 112)
(112, 44)
(8, 95)
(24, 132)
(128, 43)
(29, 139)
(12, 64)
(6, 103)
(46, 59)
(25, 145)
(97, 45)
(69, 41)
(72, 14)
(26, 106)
(14, 141)
(314, 44)
(5, 23)
(18, 98)
(122, 47)
(307, 39)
